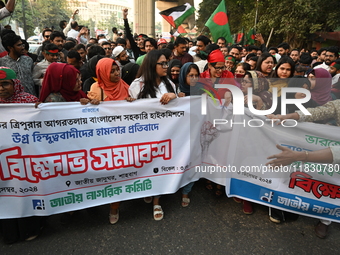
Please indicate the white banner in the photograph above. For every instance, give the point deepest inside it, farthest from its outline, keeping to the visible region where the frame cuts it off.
(65, 156)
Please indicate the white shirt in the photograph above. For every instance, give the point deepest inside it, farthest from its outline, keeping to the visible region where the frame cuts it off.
(335, 78)
(323, 65)
(4, 13)
(74, 34)
(137, 85)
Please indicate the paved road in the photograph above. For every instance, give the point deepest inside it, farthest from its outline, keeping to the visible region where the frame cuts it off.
(209, 225)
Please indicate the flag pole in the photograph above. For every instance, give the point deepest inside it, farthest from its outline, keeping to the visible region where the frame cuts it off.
(270, 36)
(257, 7)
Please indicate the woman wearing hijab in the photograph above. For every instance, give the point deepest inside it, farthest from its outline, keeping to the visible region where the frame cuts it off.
(62, 83)
(188, 78)
(11, 90)
(321, 85)
(174, 70)
(27, 228)
(91, 66)
(217, 73)
(262, 98)
(109, 87)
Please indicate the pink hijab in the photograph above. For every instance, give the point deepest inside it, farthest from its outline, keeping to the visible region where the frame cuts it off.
(321, 93)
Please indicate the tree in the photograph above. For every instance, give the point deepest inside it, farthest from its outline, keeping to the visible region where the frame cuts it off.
(51, 12)
(293, 20)
(17, 16)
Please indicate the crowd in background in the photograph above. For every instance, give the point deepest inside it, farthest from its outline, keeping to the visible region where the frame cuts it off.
(70, 66)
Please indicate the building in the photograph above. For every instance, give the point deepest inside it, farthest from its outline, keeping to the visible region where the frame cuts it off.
(100, 10)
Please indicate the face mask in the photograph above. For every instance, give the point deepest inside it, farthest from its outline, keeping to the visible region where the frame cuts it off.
(239, 75)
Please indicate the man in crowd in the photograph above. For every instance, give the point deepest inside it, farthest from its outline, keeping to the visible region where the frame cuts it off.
(283, 49)
(149, 45)
(295, 55)
(46, 37)
(221, 42)
(58, 39)
(202, 42)
(334, 70)
(224, 51)
(330, 56)
(22, 65)
(120, 56)
(74, 59)
(235, 52)
(50, 52)
(107, 47)
(81, 49)
(66, 27)
(114, 34)
(180, 51)
(81, 35)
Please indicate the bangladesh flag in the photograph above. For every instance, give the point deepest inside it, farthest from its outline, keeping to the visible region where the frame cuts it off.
(176, 15)
(251, 36)
(240, 37)
(218, 23)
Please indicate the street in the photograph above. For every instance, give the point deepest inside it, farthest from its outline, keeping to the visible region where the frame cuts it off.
(209, 225)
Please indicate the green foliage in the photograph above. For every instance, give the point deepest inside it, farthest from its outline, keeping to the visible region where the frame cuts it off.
(40, 13)
(292, 20)
(17, 15)
(51, 12)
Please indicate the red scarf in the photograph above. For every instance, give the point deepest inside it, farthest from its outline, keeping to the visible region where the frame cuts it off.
(61, 78)
(19, 96)
(113, 90)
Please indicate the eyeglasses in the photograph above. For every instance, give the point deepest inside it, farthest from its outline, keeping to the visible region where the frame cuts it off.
(5, 85)
(47, 36)
(164, 64)
(107, 48)
(219, 68)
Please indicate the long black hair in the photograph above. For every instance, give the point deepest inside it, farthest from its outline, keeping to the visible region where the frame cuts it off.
(262, 58)
(150, 76)
(284, 60)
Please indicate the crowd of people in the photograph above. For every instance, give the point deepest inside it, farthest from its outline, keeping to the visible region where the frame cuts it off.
(73, 67)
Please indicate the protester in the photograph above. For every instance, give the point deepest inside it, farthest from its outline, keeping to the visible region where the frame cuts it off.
(174, 70)
(50, 52)
(265, 64)
(16, 60)
(91, 67)
(129, 72)
(62, 83)
(180, 51)
(321, 85)
(152, 82)
(285, 69)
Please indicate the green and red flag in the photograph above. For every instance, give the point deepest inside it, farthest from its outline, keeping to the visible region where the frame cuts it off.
(175, 16)
(218, 23)
(240, 37)
(251, 37)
